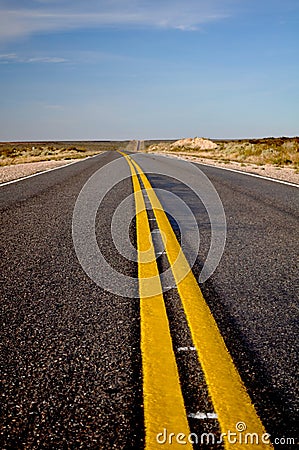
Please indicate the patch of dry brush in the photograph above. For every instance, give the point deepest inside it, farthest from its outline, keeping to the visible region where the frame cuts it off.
(282, 151)
(28, 152)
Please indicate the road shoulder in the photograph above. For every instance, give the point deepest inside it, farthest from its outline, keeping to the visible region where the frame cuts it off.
(16, 171)
(269, 171)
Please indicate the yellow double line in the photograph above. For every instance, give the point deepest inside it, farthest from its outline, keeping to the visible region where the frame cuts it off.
(163, 399)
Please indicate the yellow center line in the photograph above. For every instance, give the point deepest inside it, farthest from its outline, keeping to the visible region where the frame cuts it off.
(162, 395)
(228, 393)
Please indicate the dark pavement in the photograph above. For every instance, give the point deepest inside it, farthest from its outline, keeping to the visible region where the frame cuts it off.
(70, 358)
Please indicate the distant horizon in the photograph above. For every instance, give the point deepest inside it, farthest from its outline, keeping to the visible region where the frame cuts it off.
(146, 139)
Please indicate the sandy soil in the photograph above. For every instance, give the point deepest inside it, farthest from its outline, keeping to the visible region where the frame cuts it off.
(9, 173)
(283, 173)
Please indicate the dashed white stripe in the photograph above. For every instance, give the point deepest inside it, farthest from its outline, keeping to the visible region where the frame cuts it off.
(186, 349)
(203, 416)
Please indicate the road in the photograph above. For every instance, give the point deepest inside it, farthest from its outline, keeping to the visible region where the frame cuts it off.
(89, 362)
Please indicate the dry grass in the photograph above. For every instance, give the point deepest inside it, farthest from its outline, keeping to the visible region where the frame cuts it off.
(28, 152)
(281, 152)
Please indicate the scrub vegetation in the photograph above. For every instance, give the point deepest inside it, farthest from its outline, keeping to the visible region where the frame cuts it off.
(281, 152)
(28, 152)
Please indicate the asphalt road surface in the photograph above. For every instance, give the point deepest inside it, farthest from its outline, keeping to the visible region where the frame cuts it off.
(72, 370)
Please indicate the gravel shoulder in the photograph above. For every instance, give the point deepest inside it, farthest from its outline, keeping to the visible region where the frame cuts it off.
(267, 170)
(13, 172)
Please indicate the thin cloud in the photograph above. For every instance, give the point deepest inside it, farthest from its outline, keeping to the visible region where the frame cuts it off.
(50, 16)
(8, 56)
(14, 58)
(47, 60)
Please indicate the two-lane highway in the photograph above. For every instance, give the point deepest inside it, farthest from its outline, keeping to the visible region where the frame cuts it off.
(112, 363)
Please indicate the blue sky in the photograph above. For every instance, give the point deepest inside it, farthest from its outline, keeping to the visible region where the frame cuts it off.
(121, 69)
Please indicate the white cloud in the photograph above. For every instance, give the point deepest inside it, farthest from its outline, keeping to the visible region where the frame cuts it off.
(46, 59)
(8, 57)
(48, 16)
(14, 58)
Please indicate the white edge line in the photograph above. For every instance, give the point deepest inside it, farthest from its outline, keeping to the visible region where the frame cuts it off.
(250, 174)
(47, 170)
(235, 170)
